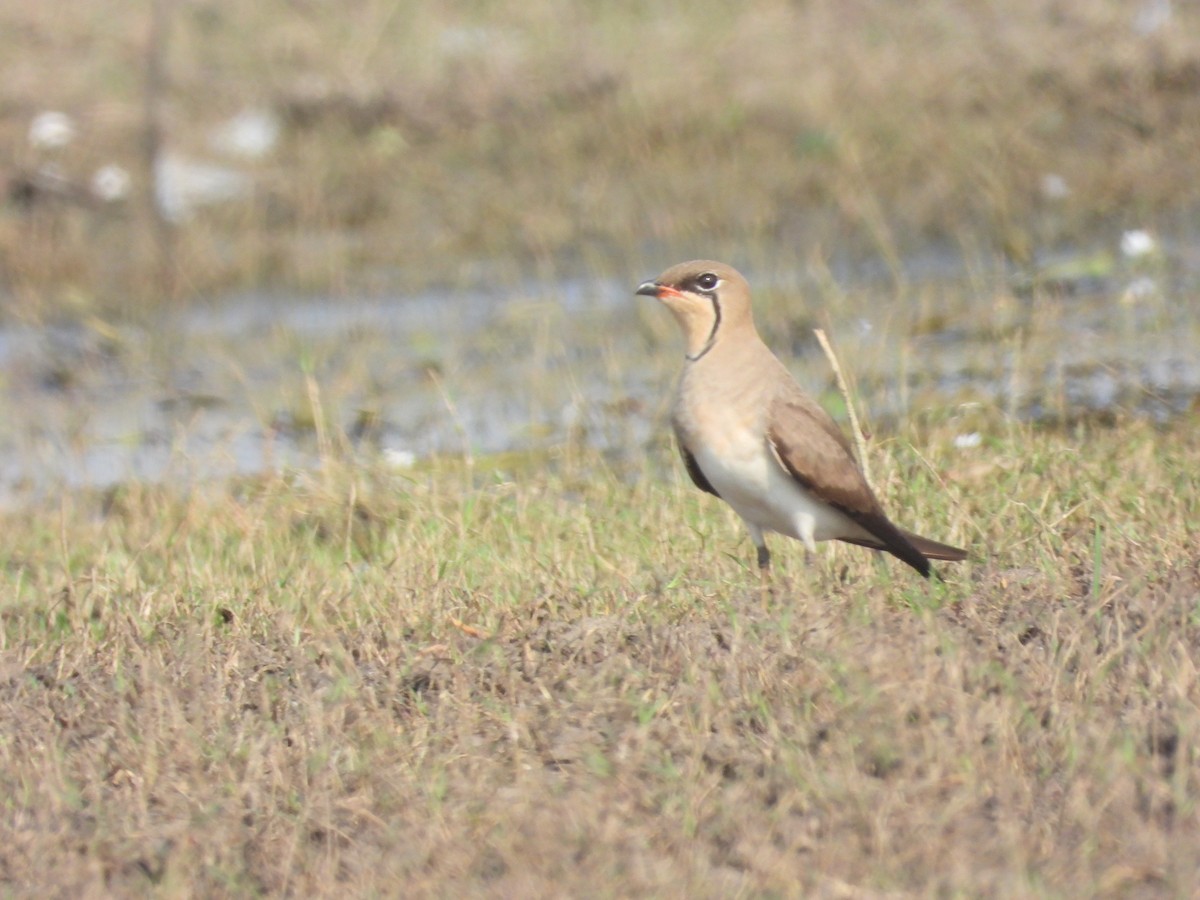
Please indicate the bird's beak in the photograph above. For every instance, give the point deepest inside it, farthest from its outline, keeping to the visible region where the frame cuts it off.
(655, 289)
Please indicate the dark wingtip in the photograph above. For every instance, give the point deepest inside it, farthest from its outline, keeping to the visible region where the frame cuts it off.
(912, 557)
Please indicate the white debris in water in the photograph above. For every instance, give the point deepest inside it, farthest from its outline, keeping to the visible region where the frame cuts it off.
(1138, 243)
(251, 134)
(182, 185)
(399, 459)
(1139, 289)
(969, 440)
(500, 46)
(1055, 187)
(1152, 16)
(51, 130)
(571, 415)
(471, 40)
(111, 183)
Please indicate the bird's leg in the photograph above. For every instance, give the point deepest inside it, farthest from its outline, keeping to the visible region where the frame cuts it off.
(764, 572)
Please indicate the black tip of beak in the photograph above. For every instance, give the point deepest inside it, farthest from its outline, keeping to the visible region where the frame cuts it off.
(648, 288)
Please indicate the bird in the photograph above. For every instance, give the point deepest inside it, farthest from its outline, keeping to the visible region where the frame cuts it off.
(751, 436)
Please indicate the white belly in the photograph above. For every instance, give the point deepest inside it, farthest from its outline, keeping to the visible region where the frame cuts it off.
(743, 471)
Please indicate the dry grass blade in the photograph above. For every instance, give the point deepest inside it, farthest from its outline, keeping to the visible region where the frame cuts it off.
(860, 441)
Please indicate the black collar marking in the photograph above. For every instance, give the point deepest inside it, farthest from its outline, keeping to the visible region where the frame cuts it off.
(712, 335)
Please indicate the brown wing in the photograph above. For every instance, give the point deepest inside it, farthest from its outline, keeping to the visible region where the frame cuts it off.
(693, 467)
(816, 453)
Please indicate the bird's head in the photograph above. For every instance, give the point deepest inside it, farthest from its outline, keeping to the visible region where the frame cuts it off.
(707, 298)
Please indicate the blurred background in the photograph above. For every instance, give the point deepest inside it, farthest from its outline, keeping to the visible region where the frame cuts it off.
(236, 237)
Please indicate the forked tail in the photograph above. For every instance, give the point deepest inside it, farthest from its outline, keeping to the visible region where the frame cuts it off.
(934, 549)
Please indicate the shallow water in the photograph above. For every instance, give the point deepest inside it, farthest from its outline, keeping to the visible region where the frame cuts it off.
(236, 387)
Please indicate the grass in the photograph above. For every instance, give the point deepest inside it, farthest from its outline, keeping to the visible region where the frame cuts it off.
(552, 674)
(463, 143)
(561, 679)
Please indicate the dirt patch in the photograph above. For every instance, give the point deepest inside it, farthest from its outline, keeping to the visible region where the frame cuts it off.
(768, 748)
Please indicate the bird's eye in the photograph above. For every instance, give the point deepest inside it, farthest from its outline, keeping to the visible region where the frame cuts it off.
(707, 281)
